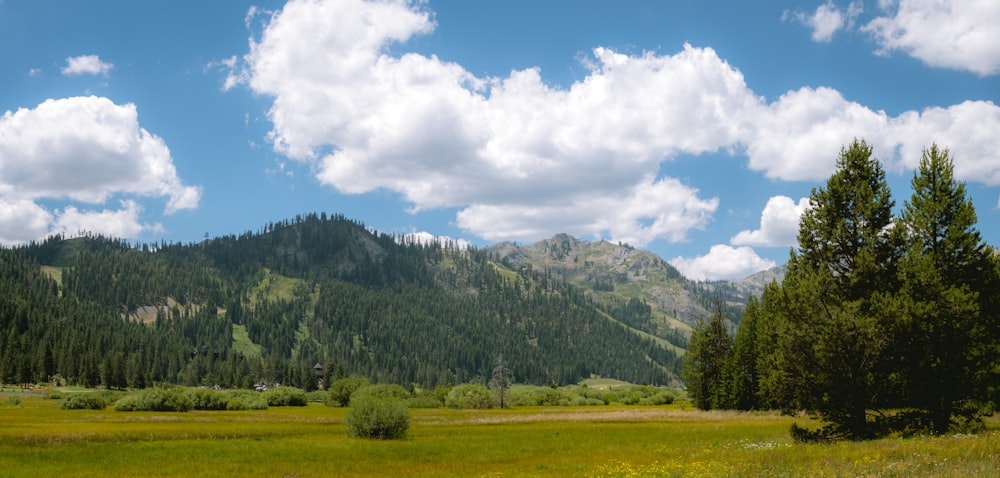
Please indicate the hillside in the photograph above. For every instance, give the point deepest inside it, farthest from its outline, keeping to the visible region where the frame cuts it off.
(268, 305)
(618, 273)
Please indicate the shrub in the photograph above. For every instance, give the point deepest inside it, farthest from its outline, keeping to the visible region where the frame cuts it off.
(245, 400)
(237, 403)
(382, 390)
(469, 395)
(205, 399)
(426, 399)
(84, 401)
(660, 398)
(383, 418)
(156, 400)
(286, 397)
(341, 390)
(316, 396)
(13, 401)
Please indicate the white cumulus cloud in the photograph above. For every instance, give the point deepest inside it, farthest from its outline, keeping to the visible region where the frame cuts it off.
(83, 149)
(426, 238)
(956, 34)
(124, 222)
(779, 224)
(722, 263)
(827, 19)
(86, 65)
(522, 159)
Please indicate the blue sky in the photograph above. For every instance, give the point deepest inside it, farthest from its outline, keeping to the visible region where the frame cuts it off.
(693, 129)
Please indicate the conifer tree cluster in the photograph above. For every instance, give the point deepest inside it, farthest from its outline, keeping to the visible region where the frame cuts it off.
(882, 323)
(267, 306)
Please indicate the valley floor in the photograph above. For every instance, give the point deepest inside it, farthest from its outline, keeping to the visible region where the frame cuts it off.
(40, 439)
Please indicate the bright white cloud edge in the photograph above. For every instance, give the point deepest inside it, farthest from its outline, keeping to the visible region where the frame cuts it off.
(86, 65)
(957, 34)
(523, 159)
(722, 262)
(826, 20)
(779, 224)
(83, 151)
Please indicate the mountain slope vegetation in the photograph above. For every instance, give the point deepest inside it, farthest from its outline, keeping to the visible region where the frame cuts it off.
(266, 306)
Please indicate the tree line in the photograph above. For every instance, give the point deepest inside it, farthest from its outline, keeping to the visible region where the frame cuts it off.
(267, 306)
(883, 323)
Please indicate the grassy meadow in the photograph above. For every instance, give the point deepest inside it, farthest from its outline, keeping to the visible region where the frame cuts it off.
(37, 438)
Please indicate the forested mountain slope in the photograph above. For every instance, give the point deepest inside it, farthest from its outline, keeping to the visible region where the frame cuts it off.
(268, 305)
(618, 273)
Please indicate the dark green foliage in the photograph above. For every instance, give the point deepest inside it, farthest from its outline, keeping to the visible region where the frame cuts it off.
(835, 296)
(378, 417)
(425, 399)
(947, 352)
(156, 400)
(285, 397)
(879, 326)
(208, 399)
(382, 390)
(317, 289)
(542, 396)
(706, 365)
(743, 378)
(85, 401)
(469, 395)
(342, 389)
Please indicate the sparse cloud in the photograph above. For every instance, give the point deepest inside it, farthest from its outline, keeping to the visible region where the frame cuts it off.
(124, 222)
(86, 150)
(722, 263)
(957, 34)
(522, 159)
(86, 65)
(826, 20)
(426, 238)
(779, 224)
(35, 72)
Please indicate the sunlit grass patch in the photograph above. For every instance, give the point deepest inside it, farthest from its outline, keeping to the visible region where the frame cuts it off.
(39, 439)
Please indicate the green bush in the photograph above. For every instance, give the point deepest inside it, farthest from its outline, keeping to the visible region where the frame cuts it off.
(469, 395)
(316, 396)
(237, 403)
(580, 401)
(425, 399)
(84, 401)
(156, 400)
(662, 397)
(245, 400)
(286, 397)
(533, 396)
(383, 418)
(13, 401)
(341, 390)
(206, 399)
(382, 390)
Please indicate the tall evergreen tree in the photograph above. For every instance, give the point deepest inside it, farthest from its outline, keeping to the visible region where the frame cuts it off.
(705, 365)
(944, 274)
(744, 381)
(836, 294)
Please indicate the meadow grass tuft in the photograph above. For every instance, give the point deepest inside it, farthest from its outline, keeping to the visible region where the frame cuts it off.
(40, 439)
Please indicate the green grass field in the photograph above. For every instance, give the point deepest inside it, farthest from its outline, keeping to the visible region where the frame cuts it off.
(37, 438)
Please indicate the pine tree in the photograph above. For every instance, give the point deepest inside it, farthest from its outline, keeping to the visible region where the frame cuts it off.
(744, 381)
(705, 365)
(835, 295)
(944, 273)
